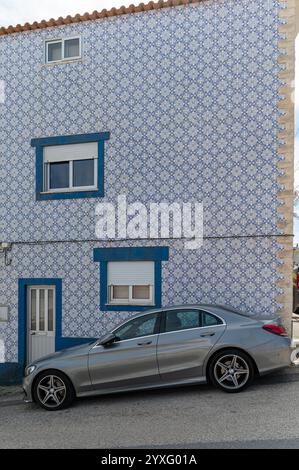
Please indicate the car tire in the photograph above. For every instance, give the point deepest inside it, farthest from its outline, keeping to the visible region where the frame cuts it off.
(231, 370)
(53, 390)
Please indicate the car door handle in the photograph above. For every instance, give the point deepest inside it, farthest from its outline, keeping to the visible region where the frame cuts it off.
(144, 343)
(207, 334)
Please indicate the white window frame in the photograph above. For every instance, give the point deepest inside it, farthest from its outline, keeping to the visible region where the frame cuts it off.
(46, 330)
(62, 42)
(71, 188)
(130, 300)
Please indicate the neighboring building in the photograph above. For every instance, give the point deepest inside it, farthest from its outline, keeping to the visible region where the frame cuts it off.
(180, 101)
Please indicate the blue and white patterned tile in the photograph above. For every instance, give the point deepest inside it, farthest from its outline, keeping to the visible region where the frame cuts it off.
(240, 273)
(189, 95)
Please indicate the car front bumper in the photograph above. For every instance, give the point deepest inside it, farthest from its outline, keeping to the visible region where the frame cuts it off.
(27, 388)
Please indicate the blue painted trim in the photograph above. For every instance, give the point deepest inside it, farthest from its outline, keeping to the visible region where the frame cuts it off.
(103, 285)
(158, 284)
(70, 139)
(39, 145)
(127, 308)
(22, 333)
(11, 373)
(60, 342)
(156, 254)
(69, 195)
(39, 171)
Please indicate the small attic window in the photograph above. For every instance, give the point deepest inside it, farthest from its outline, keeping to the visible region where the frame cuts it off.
(61, 50)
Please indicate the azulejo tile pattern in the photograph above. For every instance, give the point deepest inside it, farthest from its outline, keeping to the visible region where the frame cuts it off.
(242, 274)
(189, 95)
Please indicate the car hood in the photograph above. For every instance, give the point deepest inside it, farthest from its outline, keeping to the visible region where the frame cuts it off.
(73, 351)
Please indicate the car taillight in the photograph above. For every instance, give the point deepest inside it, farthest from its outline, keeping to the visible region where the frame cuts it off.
(275, 329)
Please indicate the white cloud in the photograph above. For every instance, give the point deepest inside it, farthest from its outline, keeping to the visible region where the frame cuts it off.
(18, 11)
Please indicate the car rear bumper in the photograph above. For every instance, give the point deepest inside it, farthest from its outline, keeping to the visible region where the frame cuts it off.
(275, 354)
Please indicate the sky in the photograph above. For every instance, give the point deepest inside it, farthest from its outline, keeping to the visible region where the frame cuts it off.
(21, 11)
(13, 12)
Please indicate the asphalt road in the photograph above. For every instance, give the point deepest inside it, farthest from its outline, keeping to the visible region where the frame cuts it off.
(264, 416)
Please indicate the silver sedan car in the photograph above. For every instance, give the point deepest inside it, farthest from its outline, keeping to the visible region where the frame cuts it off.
(160, 348)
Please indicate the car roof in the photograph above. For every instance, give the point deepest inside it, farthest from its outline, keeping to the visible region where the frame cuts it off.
(210, 307)
(217, 309)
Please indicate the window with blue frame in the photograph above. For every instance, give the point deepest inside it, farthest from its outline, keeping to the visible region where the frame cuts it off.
(70, 166)
(130, 278)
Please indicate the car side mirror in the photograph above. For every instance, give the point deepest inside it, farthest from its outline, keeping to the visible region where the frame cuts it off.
(107, 340)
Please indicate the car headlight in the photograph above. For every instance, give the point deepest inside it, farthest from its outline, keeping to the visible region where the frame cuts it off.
(29, 370)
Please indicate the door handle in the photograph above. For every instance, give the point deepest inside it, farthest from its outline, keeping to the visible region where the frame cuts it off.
(207, 334)
(32, 333)
(144, 343)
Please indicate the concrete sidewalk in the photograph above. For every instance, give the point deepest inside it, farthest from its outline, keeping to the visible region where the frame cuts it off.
(11, 392)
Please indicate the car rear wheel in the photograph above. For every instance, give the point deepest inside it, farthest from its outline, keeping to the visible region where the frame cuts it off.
(53, 391)
(231, 370)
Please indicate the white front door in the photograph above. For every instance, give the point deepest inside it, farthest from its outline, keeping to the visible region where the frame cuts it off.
(40, 321)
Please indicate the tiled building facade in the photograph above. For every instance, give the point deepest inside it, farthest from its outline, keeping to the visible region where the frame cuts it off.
(193, 103)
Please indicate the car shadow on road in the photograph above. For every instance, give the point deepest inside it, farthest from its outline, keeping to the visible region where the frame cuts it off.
(165, 394)
(150, 394)
(276, 378)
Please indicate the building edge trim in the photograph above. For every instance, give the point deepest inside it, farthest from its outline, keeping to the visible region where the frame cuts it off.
(286, 122)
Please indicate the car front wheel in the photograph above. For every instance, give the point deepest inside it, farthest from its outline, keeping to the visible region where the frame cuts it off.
(53, 391)
(232, 371)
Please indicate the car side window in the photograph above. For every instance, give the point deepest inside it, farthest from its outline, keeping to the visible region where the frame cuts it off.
(182, 320)
(210, 320)
(141, 326)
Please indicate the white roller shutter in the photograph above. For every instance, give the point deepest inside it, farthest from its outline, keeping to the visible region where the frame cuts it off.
(58, 153)
(131, 273)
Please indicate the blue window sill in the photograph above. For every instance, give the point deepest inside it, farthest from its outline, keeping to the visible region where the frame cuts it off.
(128, 308)
(70, 195)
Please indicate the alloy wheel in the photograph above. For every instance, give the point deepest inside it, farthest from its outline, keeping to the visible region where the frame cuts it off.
(231, 371)
(51, 391)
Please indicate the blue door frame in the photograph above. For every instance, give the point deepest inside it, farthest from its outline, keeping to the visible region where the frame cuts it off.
(60, 341)
(22, 329)
(12, 372)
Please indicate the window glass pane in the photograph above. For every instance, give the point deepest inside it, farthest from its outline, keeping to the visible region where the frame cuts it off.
(50, 310)
(54, 51)
(59, 175)
(42, 310)
(33, 309)
(120, 292)
(181, 320)
(83, 173)
(142, 326)
(141, 292)
(210, 320)
(71, 48)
